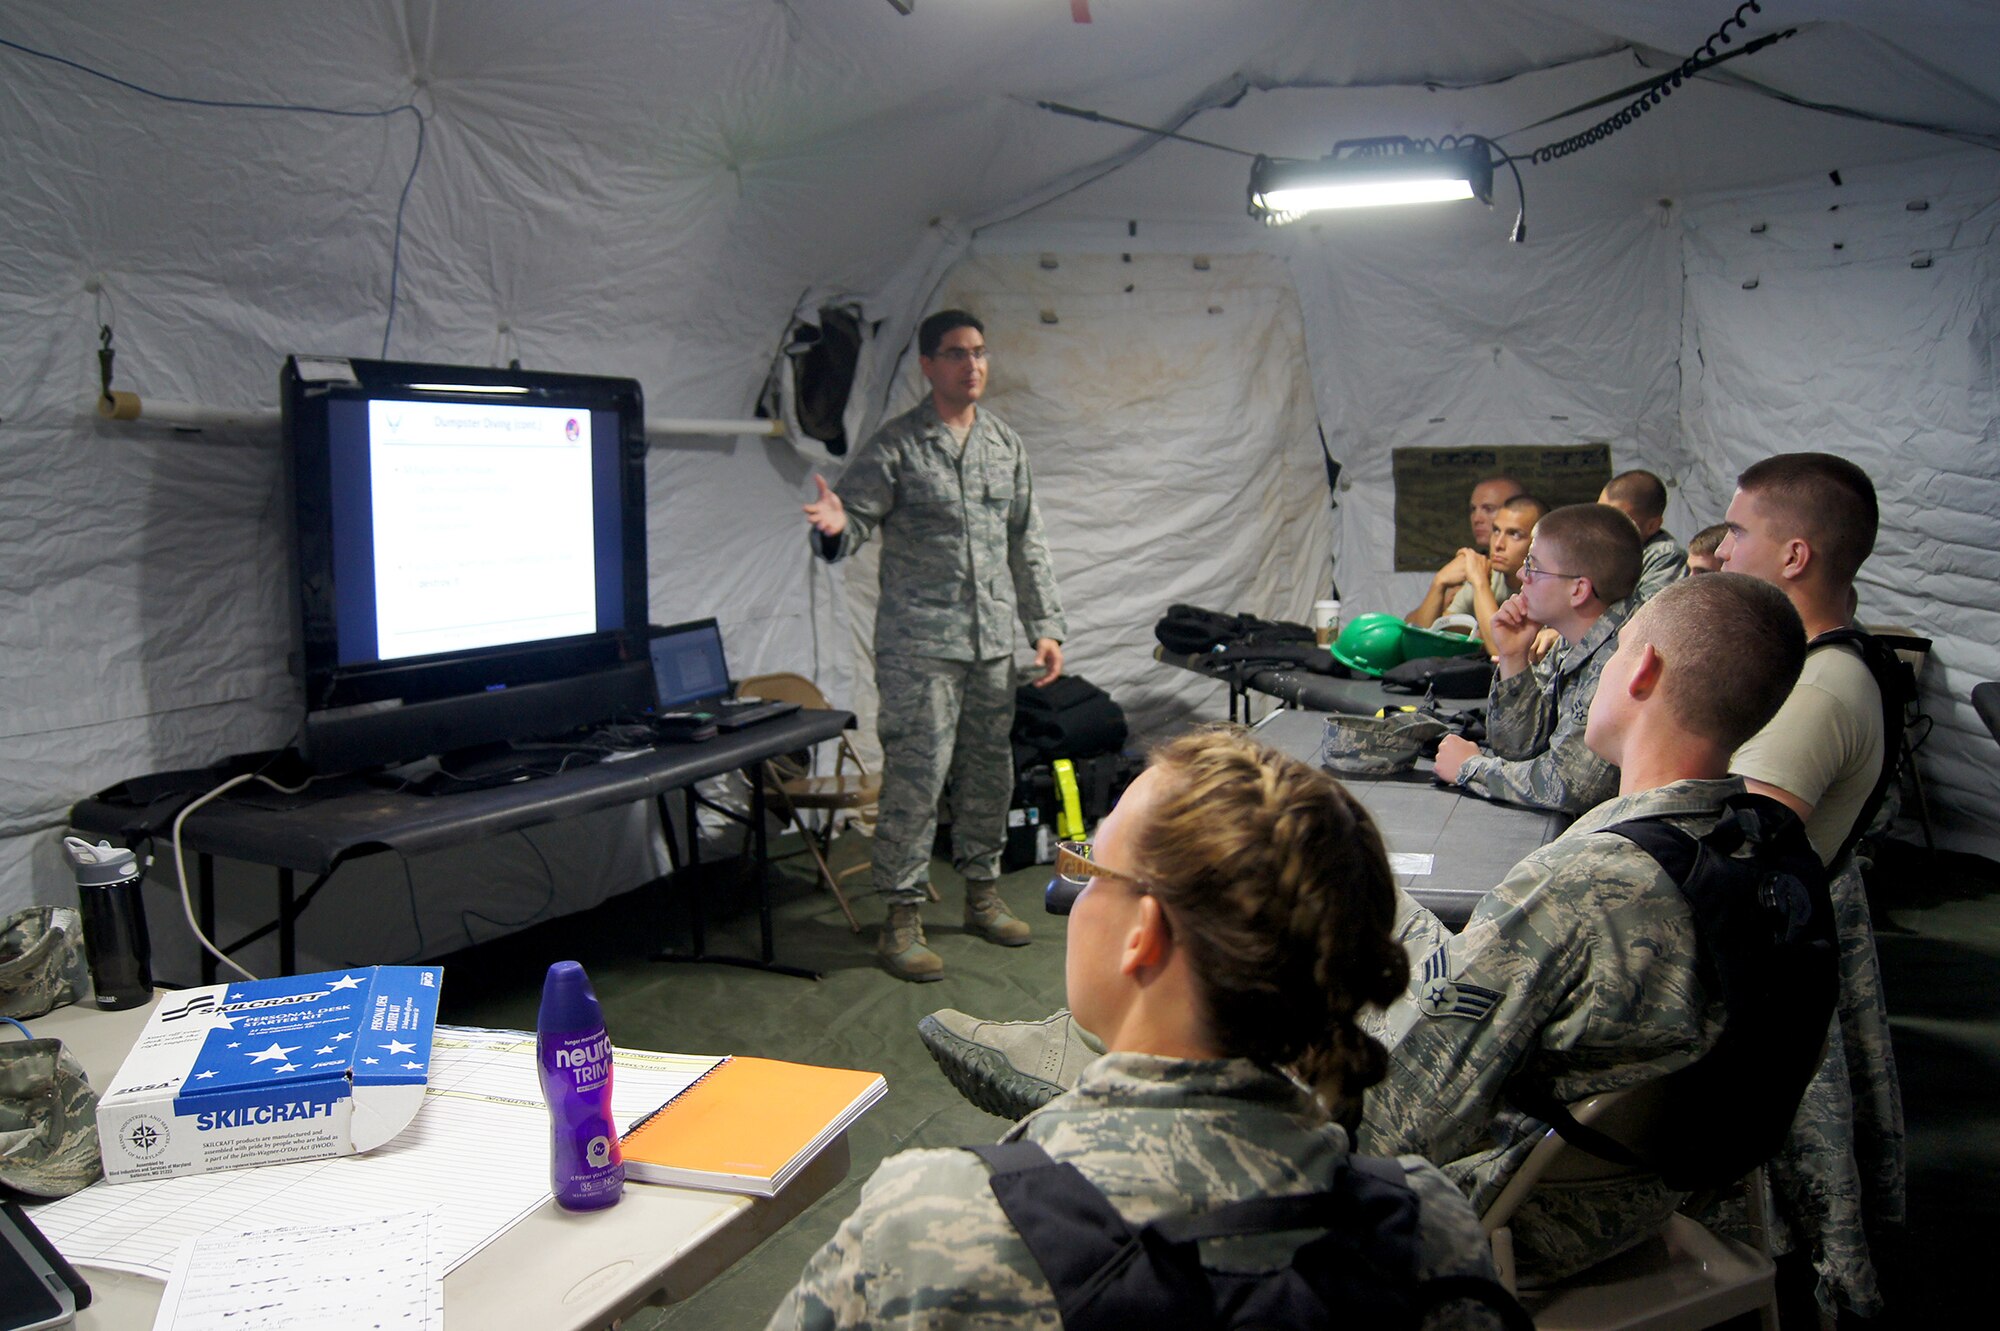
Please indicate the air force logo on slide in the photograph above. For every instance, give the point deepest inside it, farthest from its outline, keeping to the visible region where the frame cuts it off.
(1438, 995)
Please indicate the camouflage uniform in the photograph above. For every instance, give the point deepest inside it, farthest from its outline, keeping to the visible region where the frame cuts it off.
(1841, 1172)
(929, 1247)
(1839, 1180)
(1580, 968)
(1535, 753)
(962, 555)
(1662, 561)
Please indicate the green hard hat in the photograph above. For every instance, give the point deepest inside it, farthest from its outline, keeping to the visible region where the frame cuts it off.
(1419, 643)
(1371, 643)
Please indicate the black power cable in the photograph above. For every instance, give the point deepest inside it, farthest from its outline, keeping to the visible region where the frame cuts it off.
(1654, 91)
(214, 103)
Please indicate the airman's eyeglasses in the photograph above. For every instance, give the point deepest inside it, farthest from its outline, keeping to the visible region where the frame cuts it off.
(1530, 571)
(960, 355)
(1074, 870)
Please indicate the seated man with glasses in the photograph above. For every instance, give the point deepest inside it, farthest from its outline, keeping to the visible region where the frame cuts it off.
(1582, 566)
(1229, 929)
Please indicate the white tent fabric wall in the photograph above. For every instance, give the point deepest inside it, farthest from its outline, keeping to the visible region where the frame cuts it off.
(1839, 318)
(1440, 334)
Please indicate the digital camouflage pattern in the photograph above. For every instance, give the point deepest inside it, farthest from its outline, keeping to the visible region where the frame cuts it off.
(41, 960)
(942, 719)
(1579, 967)
(1662, 562)
(962, 547)
(962, 554)
(1376, 745)
(1535, 754)
(1840, 1175)
(48, 1120)
(929, 1247)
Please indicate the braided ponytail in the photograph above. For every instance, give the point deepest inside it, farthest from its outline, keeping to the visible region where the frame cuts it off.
(1280, 883)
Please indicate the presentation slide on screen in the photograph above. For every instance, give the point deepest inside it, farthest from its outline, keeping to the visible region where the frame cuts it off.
(482, 519)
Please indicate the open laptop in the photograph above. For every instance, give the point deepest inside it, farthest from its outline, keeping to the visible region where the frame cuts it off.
(691, 676)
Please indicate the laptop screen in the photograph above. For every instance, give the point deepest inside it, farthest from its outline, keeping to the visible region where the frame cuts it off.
(688, 666)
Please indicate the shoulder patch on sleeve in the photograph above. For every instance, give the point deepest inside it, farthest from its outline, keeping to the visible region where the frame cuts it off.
(1439, 996)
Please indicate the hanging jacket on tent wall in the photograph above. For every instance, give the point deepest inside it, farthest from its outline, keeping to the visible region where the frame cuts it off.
(824, 376)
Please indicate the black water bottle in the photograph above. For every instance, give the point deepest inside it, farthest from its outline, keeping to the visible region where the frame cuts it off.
(114, 923)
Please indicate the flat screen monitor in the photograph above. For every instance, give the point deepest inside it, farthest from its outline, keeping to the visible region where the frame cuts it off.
(471, 554)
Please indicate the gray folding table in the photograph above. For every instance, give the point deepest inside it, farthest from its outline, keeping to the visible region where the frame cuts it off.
(1472, 842)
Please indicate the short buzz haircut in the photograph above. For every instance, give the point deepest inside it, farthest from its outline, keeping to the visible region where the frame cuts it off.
(1708, 540)
(1598, 542)
(930, 333)
(1528, 501)
(1732, 646)
(1644, 492)
(1514, 487)
(1827, 500)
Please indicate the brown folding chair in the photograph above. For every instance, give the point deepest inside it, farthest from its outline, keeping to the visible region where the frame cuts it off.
(1680, 1278)
(793, 790)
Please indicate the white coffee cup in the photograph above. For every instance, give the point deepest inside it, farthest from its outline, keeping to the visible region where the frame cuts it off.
(1326, 621)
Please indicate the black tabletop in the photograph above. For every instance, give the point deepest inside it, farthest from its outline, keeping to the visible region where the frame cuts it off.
(337, 818)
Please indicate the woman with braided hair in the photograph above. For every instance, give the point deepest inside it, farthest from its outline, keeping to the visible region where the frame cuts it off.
(1234, 922)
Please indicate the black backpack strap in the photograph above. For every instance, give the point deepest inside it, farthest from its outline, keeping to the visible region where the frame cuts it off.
(1080, 1241)
(1675, 852)
(1897, 687)
(1363, 1267)
(1532, 1096)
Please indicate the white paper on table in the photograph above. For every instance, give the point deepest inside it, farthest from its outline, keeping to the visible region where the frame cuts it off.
(381, 1272)
(477, 1153)
(1404, 862)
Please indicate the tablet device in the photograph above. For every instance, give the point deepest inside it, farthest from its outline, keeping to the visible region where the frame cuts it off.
(38, 1289)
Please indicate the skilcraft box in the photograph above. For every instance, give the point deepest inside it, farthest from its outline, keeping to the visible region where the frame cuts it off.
(270, 1071)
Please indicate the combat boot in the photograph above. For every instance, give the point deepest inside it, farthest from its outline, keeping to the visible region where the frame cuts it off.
(1009, 1068)
(902, 950)
(987, 915)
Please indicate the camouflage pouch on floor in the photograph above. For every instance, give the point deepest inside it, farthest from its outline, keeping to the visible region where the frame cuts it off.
(1376, 745)
(48, 1120)
(41, 960)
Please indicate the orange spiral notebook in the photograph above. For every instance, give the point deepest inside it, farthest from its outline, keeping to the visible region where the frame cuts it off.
(748, 1126)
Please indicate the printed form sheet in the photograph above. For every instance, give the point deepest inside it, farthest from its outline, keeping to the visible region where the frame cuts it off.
(476, 1157)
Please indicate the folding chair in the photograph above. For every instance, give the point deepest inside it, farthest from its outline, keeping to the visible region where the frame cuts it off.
(792, 789)
(1682, 1277)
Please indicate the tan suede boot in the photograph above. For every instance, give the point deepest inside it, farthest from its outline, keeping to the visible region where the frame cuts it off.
(902, 950)
(987, 915)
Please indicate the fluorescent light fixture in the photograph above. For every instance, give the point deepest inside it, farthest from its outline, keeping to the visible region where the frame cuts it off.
(1370, 173)
(467, 388)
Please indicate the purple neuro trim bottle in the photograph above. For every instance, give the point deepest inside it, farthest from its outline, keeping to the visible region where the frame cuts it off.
(586, 1168)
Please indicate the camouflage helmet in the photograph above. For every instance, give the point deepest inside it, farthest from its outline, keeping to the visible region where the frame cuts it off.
(48, 1120)
(1370, 643)
(41, 960)
(1376, 745)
